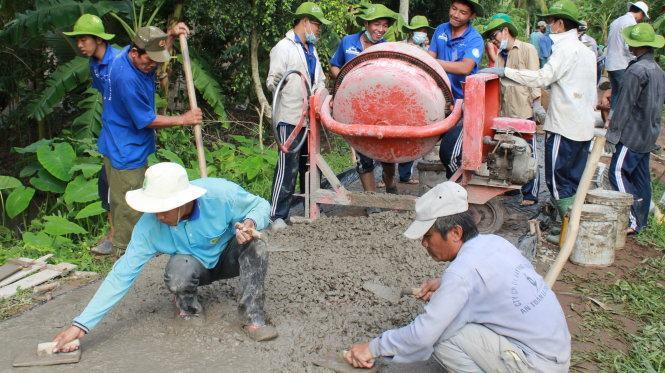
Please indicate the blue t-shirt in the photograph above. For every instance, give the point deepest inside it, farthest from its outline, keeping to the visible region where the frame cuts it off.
(125, 138)
(468, 45)
(546, 46)
(99, 70)
(348, 48)
(309, 57)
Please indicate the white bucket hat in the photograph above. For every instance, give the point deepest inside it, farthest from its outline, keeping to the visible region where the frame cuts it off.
(641, 5)
(165, 187)
(447, 198)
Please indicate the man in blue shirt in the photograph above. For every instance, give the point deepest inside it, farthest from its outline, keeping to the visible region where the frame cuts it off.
(376, 19)
(489, 311)
(458, 47)
(535, 37)
(129, 121)
(545, 50)
(207, 227)
(92, 41)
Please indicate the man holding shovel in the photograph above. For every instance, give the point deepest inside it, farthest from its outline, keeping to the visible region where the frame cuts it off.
(129, 121)
(571, 73)
(206, 227)
(489, 311)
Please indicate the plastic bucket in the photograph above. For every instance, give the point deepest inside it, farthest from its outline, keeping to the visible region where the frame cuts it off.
(621, 203)
(596, 238)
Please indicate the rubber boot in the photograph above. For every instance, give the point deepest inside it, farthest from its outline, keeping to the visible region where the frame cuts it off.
(563, 206)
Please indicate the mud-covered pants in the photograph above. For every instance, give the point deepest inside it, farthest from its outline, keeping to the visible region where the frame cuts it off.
(184, 274)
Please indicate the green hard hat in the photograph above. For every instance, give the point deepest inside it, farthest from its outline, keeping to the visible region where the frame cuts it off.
(89, 24)
(499, 21)
(564, 9)
(310, 9)
(373, 12)
(417, 22)
(642, 35)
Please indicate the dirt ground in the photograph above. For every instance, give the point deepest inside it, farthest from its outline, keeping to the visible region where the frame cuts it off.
(314, 297)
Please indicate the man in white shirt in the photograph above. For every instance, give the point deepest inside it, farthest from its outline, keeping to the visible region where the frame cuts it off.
(618, 55)
(489, 311)
(571, 73)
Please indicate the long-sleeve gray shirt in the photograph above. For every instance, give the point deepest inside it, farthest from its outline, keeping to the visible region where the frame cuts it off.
(492, 284)
(636, 118)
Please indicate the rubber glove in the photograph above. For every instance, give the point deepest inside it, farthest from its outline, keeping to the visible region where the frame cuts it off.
(539, 112)
(500, 71)
(610, 148)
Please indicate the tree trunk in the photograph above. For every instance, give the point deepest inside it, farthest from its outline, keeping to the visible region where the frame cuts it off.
(404, 10)
(256, 78)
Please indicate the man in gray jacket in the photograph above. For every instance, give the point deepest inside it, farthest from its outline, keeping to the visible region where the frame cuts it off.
(489, 311)
(295, 51)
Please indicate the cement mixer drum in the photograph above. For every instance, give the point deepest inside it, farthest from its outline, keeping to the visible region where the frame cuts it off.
(392, 84)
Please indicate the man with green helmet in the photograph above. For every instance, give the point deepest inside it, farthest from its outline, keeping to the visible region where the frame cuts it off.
(517, 101)
(376, 20)
(634, 125)
(418, 32)
(296, 51)
(93, 42)
(571, 73)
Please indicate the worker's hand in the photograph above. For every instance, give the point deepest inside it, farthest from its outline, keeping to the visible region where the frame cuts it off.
(500, 71)
(179, 28)
(192, 117)
(244, 231)
(539, 113)
(428, 288)
(70, 334)
(359, 356)
(610, 148)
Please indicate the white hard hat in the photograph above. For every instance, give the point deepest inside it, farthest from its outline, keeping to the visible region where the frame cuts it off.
(447, 198)
(165, 187)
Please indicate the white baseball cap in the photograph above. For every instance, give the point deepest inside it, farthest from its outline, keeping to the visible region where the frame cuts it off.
(165, 187)
(447, 198)
(542, 24)
(641, 5)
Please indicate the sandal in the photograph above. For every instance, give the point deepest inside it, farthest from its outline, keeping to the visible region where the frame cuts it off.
(528, 202)
(260, 333)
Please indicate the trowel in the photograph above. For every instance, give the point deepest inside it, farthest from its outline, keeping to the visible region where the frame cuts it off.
(272, 247)
(335, 361)
(45, 356)
(392, 295)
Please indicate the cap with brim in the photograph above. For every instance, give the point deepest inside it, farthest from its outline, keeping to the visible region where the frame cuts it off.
(641, 5)
(153, 41)
(564, 9)
(89, 24)
(373, 12)
(312, 10)
(541, 24)
(165, 188)
(642, 35)
(499, 23)
(417, 23)
(447, 198)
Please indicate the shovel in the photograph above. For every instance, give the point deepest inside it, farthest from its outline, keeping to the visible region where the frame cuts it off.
(392, 295)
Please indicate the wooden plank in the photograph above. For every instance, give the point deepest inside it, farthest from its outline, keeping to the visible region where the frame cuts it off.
(33, 265)
(8, 269)
(38, 278)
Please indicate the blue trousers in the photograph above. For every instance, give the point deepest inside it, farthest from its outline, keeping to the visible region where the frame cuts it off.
(565, 160)
(404, 170)
(616, 78)
(629, 173)
(286, 172)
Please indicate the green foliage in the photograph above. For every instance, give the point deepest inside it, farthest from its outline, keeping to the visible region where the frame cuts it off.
(81, 190)
(54, 14)
(89, 123)
(209, 88)
(18, 200)
(92, 209)
(8, 182)
(59, 226)
(58, 159)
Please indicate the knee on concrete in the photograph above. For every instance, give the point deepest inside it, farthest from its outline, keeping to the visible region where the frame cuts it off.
(181, 273)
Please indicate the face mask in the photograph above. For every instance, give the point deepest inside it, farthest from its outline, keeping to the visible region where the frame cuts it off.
(369, 37)
(419, 37)
(310, 37)
(503, 45)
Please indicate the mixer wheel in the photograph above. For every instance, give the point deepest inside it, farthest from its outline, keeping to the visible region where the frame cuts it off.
(489, 216)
